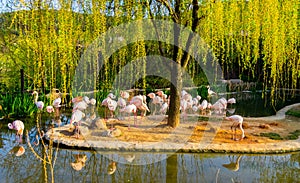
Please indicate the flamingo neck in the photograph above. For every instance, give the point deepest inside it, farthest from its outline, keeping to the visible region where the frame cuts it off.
(36, 98)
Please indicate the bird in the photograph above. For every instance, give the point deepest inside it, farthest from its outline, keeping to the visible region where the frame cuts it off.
(50, 109)
(237, 122)
(19, 126)
(131, 108)
(39, 104)
(231, 101)
(124, 94)
(155, 100)
(210, 92)
(108, 101)
(56, 102)
(77, 116)
(164, 108)
(93, 101)
(140, 102)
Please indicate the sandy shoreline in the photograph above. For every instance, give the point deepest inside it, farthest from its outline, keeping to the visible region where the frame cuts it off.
(207, 144)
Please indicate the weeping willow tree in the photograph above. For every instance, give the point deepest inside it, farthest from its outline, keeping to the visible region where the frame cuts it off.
(255, 40)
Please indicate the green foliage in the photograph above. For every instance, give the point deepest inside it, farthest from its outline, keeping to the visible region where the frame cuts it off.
(271, 135)
(294, 112)
(293, 135)
(17, 105)
(203, 91)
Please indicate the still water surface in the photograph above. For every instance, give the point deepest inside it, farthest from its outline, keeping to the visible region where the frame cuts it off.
(145, 167)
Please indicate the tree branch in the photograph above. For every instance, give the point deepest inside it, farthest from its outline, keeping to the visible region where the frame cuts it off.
(173, 14)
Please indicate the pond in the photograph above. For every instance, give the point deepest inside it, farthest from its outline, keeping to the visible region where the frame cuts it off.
(139, 167)
(73, 165)
(251, 104)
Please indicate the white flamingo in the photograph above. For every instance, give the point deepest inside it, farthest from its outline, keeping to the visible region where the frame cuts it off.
(210, 92)
(39, 104)
(237, 122)
(19, 126)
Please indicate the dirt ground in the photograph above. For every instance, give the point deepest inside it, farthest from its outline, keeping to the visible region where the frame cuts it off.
(197, 128)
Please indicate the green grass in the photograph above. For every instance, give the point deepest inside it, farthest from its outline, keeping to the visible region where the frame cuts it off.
(271, 135)
(294, 112)
(292, 135)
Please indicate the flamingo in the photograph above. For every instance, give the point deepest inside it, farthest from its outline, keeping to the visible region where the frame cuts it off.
(237, 122)
(112, 106)
(162, 95)
(231, 101)
(210, 92)
(39, 104)
(77, 116)
(19, 126)
(121, 103)
(196, 100)
(140, 102)
(106, 102)
(131, 108)
(93, 101)
(164, 108)
(124, 94)
(155, 100)
(56, 103)
(50, 109)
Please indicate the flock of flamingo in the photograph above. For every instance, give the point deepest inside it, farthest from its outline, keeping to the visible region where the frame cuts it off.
(129, 105)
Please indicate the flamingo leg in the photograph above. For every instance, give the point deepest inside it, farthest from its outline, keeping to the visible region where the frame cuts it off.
(243, 132)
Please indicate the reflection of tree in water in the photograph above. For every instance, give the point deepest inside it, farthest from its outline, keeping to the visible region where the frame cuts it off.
(47, 153)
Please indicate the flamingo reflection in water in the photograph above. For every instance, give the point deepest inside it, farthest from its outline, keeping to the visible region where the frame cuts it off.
(234, 165)
(17, 150)
(112, 167)
(79, 162)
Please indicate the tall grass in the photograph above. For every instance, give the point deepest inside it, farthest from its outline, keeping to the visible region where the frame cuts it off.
(17, 105)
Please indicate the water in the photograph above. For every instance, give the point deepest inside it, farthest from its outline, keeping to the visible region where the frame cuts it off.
(249, 104)
(145, 167)
(178, 167)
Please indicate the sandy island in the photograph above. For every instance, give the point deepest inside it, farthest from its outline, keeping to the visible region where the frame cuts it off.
(195, 134)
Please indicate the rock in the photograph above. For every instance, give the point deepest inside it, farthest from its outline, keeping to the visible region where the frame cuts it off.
(264, 126)
(100, 124)
(115, 132)
(84, 130)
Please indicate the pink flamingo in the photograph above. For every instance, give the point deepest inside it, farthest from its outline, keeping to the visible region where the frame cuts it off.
(140, 102)
(19, 126)
(155, 100)
(131, 108)
(50, 109)
(231, 101)
(39, 104)
(237, 122)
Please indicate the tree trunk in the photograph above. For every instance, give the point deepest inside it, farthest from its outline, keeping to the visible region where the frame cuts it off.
(175, 90)
(176, 83)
